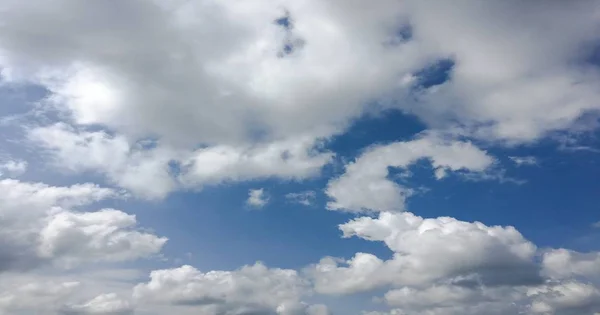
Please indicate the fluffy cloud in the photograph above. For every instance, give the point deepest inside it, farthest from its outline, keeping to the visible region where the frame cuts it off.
(261, 95)
(41, 295)
(290, 159)
(13, 168)
(134, 165)
(257, 198)
(143, 171)
(455, 300)
(250, 290)
(260, 80)
(77, 292)
(567, 298)
(105, 235)
(446, 266)
(365, 185)
(105, 304)
(430, 250)
(38, 228)
(564, 264)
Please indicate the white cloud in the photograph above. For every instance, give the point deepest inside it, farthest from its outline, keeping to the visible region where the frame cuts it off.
(524, 160)
(241, 88)
(40, 225)
(106, 235)
(565, 264)
(427, 251)
(144, 172)
(443, 299)
(14, 168)
(442, 266)
(35, 295)
(77, 292)
(596, 225)
(570, 297)
(252, 289)
(306, 198)
(148, 172)
(291, 159)
(509, 89)
(365, 186)
(105, 304)
(257, 198)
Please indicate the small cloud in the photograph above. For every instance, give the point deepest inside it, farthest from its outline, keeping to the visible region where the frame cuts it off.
(13, 168)
(440, 173)
(306, 198)
(257, 198)
(596, 225)
(524, 160)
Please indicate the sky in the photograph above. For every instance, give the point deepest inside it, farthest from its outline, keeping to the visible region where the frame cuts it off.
(286, 157)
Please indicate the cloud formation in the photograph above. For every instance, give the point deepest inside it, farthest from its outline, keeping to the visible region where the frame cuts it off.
(41, 224)
(365, 185)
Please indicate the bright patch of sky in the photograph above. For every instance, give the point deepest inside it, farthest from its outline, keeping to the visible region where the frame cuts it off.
(299, 157)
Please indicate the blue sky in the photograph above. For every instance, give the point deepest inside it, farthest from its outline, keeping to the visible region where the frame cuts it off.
(299, 158)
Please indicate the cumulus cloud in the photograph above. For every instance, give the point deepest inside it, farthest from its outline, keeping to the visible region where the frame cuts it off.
(257, 198)
(258, 99)
(365, 185)
(427, 251)
(105, 304)
(566, 298)
(34, 295)
(13, 168)
(443, 299)
(40, 224)
(565, 264)
(253, 289)
(261, 80)
(445, 266)
(77, 292)
(151, 170)
(105, 235)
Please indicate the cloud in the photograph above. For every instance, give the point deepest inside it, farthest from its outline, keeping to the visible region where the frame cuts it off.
(570, 297)
(34, 295)
(105, 235)
(444, 299)
(260, 80)
(427, 251)
(443, 266)
(257, 198)
(42, 225)
(290, 159)
(76, 292)
(365, 185)
(524, 160)
(565, 264)
(306, 198)
(134, 165)
(253, 289)
(105, 304)
(14, 168)
(158, 96)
